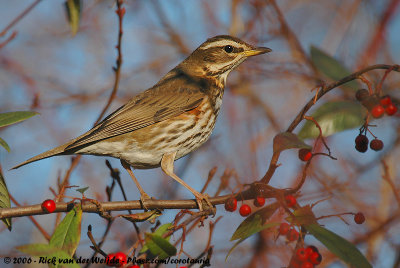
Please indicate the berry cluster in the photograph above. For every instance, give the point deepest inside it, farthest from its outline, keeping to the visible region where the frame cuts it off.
(287, 230)
(306, 258)
(362, 143)
(244, 210)
(375, 105)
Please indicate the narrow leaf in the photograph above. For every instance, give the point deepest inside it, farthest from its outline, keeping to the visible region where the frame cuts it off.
(73, 9)
(302, 216)
(15, 117)
(4, 199)
(49, 254)
(263, 227)
(160, 232)
(287, 140)
(68, 232)
(339, 246)
(159, 246)
(330, 67)
(4, 144)
(333, 117)
(255, 222)
(163, 229)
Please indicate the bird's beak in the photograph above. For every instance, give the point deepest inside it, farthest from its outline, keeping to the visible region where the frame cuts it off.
(256, 51)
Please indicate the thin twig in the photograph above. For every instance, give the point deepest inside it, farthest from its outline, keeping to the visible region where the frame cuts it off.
(19, 17)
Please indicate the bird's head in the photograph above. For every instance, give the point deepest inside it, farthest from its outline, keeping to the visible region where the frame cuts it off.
(219, 55)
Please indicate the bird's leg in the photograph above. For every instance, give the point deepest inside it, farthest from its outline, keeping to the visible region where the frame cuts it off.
(167, 165)
(143, 195)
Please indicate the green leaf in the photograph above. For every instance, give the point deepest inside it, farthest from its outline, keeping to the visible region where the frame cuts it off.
(4, 144)
(339, 246)
(302, 216)
(163, 229)
(255, 222)
(257, 230)
(330, 67)
(333, 117)
(73, 9)
(159, 246)
(49, 254)
(160, 232)
(15, 117)
(4, 199)
(287, 140)
(68, 233)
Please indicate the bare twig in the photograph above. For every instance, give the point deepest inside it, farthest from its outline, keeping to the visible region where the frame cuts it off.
(19, 17)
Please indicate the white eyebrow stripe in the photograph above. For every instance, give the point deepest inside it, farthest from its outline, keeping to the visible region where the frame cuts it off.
(222, 43)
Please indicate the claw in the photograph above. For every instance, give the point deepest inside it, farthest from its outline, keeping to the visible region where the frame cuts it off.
(206, 198)
(143, 199)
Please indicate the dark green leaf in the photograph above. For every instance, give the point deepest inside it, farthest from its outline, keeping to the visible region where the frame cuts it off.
(339, 246)
(68, 233)
(73, 9)
(261, 228)
(287, 140)
(15, 117)
(4, 199)
(330, 67)
(255, 222)
(55, 256)
(4, 144)
(159, 246)
(333, 117)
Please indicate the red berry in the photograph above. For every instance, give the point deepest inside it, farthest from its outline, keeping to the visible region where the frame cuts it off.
(315, 258)
(284, 228)
(301, 254)
(305, 154)
(259, 201)
(377, 111)
(311, 249)
(361, 94)
(49, 206)
(307, 264)
(120, 259)
(290, 200)
(361, 143)
(376, 145)
(245, 210)
(385, 100)
(134, 266)
(359, 218)
(391, 109)
(292, 235)
(110, 260)
(231, 204)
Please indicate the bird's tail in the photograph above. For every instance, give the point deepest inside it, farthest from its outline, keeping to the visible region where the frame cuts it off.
(56, 151)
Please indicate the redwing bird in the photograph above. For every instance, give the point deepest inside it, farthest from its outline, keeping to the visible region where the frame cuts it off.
(168, 120)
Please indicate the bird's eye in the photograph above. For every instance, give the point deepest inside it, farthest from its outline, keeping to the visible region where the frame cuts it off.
(228, 49)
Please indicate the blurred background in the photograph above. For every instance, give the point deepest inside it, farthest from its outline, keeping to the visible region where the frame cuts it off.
(68, 79)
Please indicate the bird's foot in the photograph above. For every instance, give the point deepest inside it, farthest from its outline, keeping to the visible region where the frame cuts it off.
(143, 199)
(204, 203)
